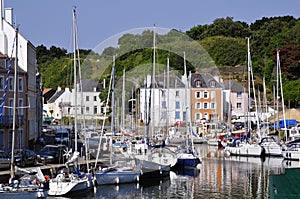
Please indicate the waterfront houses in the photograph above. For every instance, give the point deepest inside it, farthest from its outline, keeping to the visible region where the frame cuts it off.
(28, 123)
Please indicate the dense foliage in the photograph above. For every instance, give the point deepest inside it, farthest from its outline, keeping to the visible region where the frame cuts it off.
(224, 40)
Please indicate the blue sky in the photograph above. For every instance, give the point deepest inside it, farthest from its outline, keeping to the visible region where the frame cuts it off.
(49, 22)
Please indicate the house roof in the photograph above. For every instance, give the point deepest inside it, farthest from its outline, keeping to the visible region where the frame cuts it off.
(88, 85)
(234, 86)
(55, 96)
(205, 79)
(174, 82)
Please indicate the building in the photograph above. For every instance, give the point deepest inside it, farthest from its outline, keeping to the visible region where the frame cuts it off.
(29, 125)
(206, 98)
(235, 97)
(165, 104)
(62, 103)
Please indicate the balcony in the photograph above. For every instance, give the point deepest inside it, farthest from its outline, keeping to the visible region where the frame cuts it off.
(7, 121)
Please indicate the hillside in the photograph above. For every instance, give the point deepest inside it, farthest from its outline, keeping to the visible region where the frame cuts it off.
(222, 46)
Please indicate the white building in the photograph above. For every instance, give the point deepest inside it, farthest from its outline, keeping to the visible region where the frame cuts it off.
(62, 103)
(167, 103)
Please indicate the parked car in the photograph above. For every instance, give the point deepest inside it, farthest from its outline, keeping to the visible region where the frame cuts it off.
(4, 160)
(62, 136)
(53, 154)
(24, 157)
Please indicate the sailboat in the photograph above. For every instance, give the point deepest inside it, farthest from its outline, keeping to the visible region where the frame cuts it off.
(123, 170)
(187, 157)
(69, 180)
(243, 146)
(26, 186)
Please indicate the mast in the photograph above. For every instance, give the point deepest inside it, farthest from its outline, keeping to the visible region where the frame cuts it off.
(249, 87)
(123, 102)
(12, 165)
(281, 92)
(75, 75)
(153, 81)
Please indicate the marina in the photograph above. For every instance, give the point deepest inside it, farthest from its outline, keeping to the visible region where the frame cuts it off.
(218, 177)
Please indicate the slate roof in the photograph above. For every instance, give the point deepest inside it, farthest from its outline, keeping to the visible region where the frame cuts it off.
(56, 96)
(88, 85)
(205, 79)
(235, 86)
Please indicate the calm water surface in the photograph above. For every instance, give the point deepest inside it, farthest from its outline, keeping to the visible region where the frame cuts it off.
(219, 177)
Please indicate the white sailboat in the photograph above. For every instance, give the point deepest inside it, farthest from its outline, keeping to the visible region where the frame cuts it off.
(26, 186)
(69, 180)
(244, 147)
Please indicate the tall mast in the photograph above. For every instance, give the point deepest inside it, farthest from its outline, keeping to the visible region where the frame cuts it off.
(153, 80)
(249, 87)
(75, 74)
(281, 92)
(12, 166)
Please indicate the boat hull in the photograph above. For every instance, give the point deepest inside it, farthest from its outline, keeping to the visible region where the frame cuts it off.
(187, 161)
(252, 150)
(117, 177)
(63, 188)
(285, 185)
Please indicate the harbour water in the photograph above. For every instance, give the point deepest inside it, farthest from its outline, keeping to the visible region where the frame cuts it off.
(219, 177)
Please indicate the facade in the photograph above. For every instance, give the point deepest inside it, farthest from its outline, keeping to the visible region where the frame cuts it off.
(235, 96)
(165, 104)
(29, 127)
(206, 98)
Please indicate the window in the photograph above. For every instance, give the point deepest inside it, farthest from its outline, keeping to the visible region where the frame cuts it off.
(87, 98)
(163, 115)
(239, 94)
(95, 110)
(198, 105)
(95, 98)
(205, 105)
(11, 83)
(177, 115)
(239, 105)
(1, 82)
(213, 94)
(163, 93)
(177, 93)
(177, 105)
(184, 116)
(11, 104)
(198, 116)
(212, 84)
(206, 116)
(205, 94)
(213, 105)
(20, 84)
(198, 84)
(21, 105)
(164, 104)
(198, 94)
(87, 109)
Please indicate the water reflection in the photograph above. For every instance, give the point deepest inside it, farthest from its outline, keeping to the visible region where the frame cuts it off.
(219, 177)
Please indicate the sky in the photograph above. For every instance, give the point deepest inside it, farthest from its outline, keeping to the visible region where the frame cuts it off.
(49, 22)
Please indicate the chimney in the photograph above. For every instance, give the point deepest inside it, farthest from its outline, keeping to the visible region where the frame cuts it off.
(9, 15)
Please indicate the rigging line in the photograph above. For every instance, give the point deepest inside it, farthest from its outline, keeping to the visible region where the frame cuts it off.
(7, 78)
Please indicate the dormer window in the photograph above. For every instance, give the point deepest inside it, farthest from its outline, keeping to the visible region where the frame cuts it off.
(198, 83)
(212, 84)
